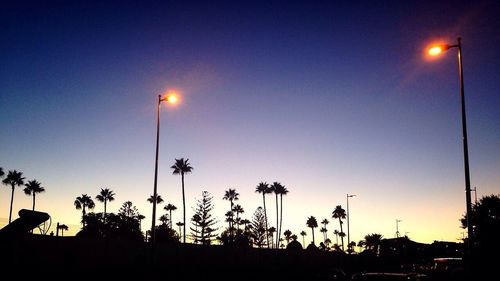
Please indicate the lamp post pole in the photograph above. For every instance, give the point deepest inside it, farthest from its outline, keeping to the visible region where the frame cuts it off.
(348, 232)
(156, 169)
(470, 231)
(434, 51)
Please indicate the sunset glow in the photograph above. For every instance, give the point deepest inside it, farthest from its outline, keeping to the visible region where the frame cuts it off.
(326, 97)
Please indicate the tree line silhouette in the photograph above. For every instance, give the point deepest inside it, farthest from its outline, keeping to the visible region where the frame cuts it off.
(257, 232)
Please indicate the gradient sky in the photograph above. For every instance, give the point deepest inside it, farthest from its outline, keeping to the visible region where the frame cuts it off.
(327, 98)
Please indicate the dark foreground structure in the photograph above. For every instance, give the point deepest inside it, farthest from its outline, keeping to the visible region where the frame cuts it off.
(31, 257)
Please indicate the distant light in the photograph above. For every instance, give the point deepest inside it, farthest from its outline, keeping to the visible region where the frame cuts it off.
(436, 50)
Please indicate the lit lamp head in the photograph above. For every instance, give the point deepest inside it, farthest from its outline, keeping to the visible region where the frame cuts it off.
(170, 97)
(436, 50)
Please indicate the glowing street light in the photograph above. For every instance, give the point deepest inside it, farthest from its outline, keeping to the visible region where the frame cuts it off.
(434, 51)
(348, 233)
(169, 98)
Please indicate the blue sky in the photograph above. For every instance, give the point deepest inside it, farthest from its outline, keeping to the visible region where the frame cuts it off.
(326, 98)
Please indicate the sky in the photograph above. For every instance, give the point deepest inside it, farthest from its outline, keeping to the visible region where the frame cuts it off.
(328, 98)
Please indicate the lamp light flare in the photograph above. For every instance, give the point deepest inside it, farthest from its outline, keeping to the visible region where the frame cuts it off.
(172, 98)
(436, 50)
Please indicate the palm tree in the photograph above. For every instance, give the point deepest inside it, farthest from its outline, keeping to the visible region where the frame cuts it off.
(179, 224)
(281, 189)
(238, 210)
(231, 195)
(372, 242)
(104, 196)
(33, 187)
(336, 232)
(182, 167)
(170, 208)
(13, 178)
(312, 223)
(303, 233)
(325, 222)
(277, 189)
(339, 213)
(164, 219)
(1, 172)
(323, 230)
(271, 232)
(140, 218)
(263, 188)
(158, 200)
(62, 227)
(83, 202)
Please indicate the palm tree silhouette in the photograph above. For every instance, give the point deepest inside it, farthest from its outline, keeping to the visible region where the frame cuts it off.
(281, 189)
(336, 232)
(339, 213)
(231, 195)
(1, 172)
(323, 230)
(271, 232)
(140, 218)
(277, 188)
(303, 233)
(62, 227)
(263, 188)
(372, 242)
(164, 219)
(170, 208)
(104, 196)
(14, 178)
(158, 199)
(324, 222)
(182, 167)
(238, 210)
(179, 224)
(312, 223)
(83, 202)
(33, 187)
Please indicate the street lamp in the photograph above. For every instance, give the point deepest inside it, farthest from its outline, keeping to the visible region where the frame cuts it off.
(348, 233)
(169, 98)
(434, 51)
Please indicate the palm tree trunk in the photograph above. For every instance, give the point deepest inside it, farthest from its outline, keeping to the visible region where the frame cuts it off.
(277, 222)
(281, 215)
(11, 201)
(183, 208)
(83, 215)
(341, 237)
(265, 217)
(312, 228)
(34, 200)
(105, 208)
(170, 219)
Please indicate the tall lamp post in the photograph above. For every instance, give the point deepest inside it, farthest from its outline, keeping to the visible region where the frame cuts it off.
(434, 51)
(169, 98)
(348, 232)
